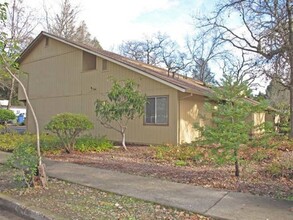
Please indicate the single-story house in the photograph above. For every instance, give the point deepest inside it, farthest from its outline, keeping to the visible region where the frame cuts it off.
(17, 110)
(64, 76)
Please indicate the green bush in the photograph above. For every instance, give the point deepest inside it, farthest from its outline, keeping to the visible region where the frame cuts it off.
(162, 152)
(181, 163)
(50, 143)
(260, 155)
(6, 115)
(67, 127)
(25, 159)
(89, 144)
(281, 167)
(9, 141)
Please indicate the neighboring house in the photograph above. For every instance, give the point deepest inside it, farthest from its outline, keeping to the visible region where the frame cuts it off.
(16, 109)
(3, 103)
(64, 76)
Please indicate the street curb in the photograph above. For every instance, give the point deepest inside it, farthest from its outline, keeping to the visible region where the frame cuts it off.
(25, 211)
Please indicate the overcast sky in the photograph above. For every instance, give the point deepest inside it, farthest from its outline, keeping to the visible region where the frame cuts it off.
(114, 21)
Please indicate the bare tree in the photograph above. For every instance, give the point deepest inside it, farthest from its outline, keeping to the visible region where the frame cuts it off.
(205, 48)
(242, 69)
(65, 24)
(158, 50)
(174, 60)
(7, 62)
(147, 50)
(134, 50)
(266, 30)
(21, 22)
(82, 35)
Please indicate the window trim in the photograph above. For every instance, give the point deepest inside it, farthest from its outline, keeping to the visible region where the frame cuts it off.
(167, 104)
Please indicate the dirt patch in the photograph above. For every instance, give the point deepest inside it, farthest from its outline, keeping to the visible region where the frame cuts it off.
(142, 161)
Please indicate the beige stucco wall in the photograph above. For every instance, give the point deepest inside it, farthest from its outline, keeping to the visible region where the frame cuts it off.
(56, 83)
(191, 108)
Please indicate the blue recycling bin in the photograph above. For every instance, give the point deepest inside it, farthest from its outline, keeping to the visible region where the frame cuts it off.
(20, 118)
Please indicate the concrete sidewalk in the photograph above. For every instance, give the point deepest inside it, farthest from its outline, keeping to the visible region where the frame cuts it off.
(216, 203)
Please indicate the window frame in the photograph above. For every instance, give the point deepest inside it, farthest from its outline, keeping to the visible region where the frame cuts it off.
(167, 111)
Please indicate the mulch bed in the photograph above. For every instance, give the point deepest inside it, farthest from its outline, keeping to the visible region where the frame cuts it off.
(141, 161)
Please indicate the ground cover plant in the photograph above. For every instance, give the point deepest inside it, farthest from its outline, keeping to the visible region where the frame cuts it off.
(25, 158)
(72, 201)
(93, 144)
(52, 145)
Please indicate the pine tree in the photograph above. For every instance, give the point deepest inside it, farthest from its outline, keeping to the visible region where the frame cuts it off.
(230, 120)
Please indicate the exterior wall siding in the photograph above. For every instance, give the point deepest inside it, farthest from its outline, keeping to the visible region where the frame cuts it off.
(56, 83)
(51, 87)
(191, 106)
(96, 84)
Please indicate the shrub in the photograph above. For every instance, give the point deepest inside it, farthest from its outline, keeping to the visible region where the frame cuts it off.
(25, 159)
(125, 103)
(281, 166)
(9, 141)
(181, 163)
(178, 153)
(67, 126)
(89, 143)
(50, 143)
(6, 115)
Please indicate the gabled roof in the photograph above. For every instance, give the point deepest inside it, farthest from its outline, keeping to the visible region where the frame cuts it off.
(179, 82)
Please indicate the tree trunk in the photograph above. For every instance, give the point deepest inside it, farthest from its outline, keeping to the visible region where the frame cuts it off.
(41, 166)
(11, 93)
(291, 109)
(237, 172)
(123, 140)
(236, 168)
(290, 54)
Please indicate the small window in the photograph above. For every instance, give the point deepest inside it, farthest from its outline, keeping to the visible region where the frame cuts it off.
(104, 65)
(88, 61)
(156, 110)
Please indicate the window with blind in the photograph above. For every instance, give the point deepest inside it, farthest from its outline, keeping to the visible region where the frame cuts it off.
(156, 110)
